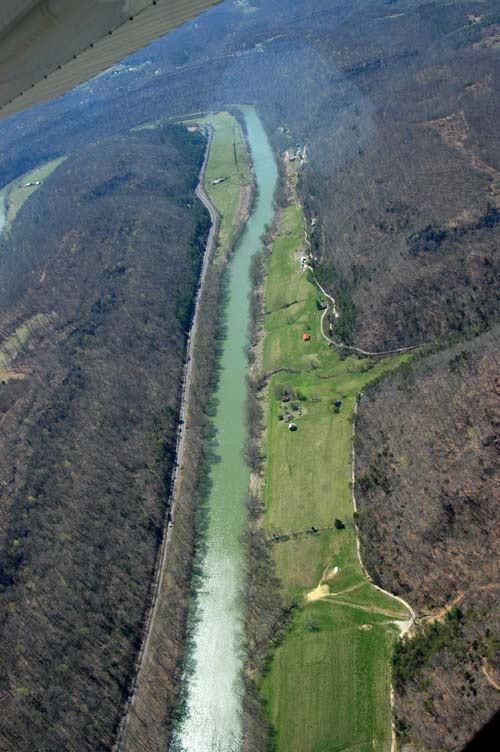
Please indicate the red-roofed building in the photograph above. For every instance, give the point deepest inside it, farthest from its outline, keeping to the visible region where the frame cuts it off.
(306, 337)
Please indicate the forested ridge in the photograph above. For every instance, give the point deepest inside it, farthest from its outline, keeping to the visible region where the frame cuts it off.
(110, 249)
(396, 103)
(427, 486)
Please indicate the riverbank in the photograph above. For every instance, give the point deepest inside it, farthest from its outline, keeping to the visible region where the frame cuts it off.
(155, 693)
(211, 712)
(229, 178)
(324, 679)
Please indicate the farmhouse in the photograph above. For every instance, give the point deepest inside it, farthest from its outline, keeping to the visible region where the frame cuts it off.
(306, 337)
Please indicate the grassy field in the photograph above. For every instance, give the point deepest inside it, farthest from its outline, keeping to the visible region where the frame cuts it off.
(229, 161)
(12, 345)
(328, 686)
(15, 193)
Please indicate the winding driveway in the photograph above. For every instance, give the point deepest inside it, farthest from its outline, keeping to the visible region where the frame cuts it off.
(342, 344)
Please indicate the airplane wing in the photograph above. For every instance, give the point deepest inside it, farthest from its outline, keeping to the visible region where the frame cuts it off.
(49, 46)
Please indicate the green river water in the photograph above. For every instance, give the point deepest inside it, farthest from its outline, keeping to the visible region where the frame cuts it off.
(211, 721)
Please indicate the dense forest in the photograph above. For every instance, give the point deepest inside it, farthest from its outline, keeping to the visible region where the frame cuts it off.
(427, 485)
(106, 256)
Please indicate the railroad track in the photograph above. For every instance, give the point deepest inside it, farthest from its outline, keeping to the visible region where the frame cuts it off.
(162, 560)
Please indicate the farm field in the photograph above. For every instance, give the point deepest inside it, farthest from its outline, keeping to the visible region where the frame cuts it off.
(15, 194)
(228, 163)
(328, 685)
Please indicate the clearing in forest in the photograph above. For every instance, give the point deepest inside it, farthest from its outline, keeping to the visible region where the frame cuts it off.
(328, 686)
(16, 193)
(13, 345)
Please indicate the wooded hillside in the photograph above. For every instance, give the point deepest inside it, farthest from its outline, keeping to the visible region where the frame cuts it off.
(427, 486)
(108, 251)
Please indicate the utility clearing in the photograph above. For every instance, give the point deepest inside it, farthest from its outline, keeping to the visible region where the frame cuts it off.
(328, 685)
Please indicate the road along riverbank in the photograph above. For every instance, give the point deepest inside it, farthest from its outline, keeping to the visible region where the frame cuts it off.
(181, 436)
(147, 720)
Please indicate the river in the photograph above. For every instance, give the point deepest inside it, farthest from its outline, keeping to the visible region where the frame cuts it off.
(213, 690)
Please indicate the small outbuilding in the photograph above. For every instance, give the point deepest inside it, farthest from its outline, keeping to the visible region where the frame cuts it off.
(292, 427)
(306, 337)
(338, 403)
(285, 398)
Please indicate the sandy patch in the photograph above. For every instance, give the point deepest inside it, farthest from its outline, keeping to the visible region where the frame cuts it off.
(243, 209)
(10, 375)
(318, 593)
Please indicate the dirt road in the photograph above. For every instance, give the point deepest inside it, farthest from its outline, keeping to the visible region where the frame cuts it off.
(338, 343)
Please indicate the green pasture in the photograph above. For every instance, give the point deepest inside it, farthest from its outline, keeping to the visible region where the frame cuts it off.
(328, 685)
(228, 160)
(16, 194)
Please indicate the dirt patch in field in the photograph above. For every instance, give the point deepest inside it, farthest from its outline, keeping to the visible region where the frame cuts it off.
(318, 593)
(10, 375)
(243, 209)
